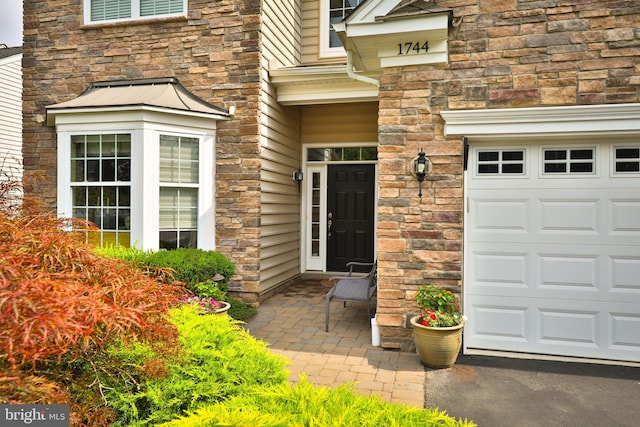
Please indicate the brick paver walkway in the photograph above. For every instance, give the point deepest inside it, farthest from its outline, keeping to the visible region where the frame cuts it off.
(292, 323)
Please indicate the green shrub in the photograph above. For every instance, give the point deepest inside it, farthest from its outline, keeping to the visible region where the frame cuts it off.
(239, 310)
(209, 289)
(218, 360)
(307, 405)
(61, 304)
(192, 266)
(206, 288)
(135, 255)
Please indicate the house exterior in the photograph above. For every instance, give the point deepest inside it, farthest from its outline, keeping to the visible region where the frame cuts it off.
(11, 111)
(284, 134)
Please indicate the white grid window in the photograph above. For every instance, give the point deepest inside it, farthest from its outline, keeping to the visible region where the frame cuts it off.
(338, 10)
(100, 186)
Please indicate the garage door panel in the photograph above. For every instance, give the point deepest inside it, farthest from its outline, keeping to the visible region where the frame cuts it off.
(608, 220)
(568, 327)
(564, 328)
(501, 215)
(498, 322)
(625, 217)
(501, 268)
(568, 272)
(577, 215)
(625, 274)
(552, 261)
(580, 272)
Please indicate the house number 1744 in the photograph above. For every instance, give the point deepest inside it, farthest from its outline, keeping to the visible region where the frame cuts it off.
(409, 48)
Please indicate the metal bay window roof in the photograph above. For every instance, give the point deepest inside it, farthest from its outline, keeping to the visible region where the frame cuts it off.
(165, 94)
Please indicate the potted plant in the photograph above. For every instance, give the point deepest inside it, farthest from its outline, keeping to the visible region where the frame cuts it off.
(207, 305)
(437, 330)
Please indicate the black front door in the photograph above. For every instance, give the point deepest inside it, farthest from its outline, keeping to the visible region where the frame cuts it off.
(350, 215)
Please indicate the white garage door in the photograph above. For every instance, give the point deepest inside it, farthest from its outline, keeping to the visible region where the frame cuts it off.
(552, 258)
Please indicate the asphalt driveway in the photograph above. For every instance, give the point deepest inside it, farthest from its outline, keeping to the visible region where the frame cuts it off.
(495, 391)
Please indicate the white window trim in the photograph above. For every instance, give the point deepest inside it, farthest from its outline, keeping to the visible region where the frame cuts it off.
(145, 133)
(135, 13)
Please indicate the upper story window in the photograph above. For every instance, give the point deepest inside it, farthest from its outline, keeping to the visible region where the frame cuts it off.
(128, 10)
(333, 11)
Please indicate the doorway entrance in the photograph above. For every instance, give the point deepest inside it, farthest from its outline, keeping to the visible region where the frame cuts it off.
(350, 214)
(338, 213)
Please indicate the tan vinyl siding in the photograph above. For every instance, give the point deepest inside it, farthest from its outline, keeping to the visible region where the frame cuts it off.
(310, 31)
(280, 150)
(281, 33)
(280, 198)
(340, 123)
(11, 115)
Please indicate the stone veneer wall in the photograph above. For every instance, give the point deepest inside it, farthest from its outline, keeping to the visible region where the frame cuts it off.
(214, 53)
(502, 54)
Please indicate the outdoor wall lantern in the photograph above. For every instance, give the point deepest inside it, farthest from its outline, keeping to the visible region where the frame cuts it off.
(297, 176)
(421, 169)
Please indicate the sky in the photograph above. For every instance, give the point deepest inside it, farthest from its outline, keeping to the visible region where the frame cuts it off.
(11, 22)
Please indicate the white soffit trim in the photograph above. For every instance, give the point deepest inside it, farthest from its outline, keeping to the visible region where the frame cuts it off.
(618, 119)
(319, 85)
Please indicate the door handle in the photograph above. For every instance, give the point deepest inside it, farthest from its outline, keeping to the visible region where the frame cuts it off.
(329, 224)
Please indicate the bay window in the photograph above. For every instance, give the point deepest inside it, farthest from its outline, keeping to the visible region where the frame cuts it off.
(142, 173)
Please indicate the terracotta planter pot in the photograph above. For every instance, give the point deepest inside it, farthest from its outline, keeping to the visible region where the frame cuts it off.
(437, 347)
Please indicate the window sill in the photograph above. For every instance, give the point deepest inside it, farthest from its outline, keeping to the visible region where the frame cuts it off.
(133, 22)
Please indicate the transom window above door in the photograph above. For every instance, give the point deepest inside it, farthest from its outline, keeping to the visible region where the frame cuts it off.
(342, 154)
(96, 11)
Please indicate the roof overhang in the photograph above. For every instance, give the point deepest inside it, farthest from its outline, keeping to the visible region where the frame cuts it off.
(165, 95)
(579, 120)
(388, 33)
(319, 85)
